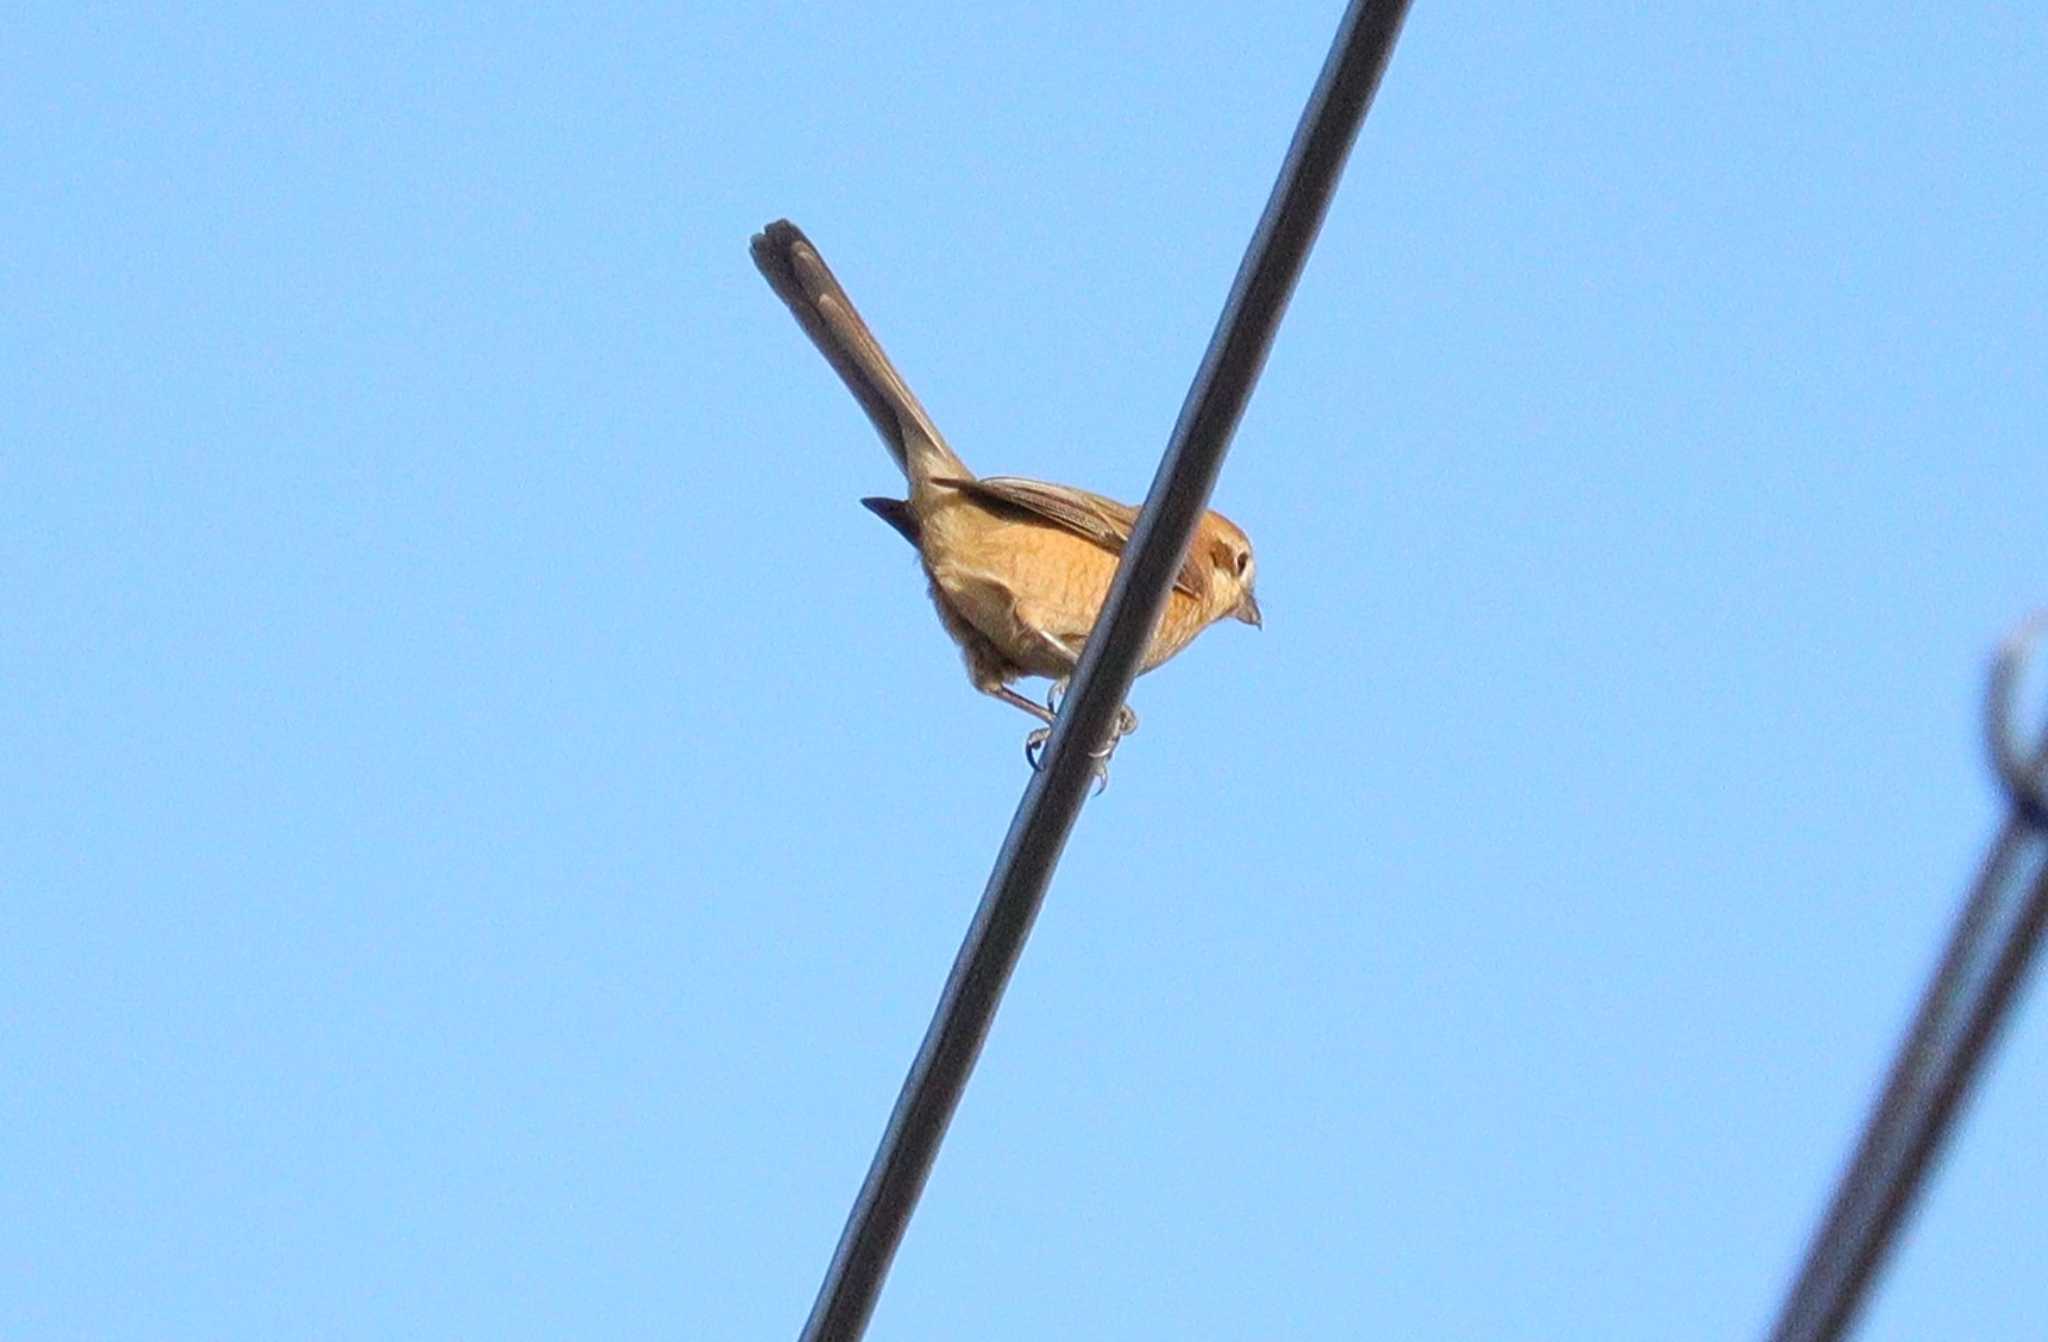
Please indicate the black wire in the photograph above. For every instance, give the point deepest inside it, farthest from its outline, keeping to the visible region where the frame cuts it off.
(1969, 1000)
(1052, 801)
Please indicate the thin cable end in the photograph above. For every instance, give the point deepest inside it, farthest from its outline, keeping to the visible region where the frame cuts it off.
(2022, 768)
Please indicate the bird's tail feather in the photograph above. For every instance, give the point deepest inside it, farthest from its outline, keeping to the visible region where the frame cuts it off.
(803, 280)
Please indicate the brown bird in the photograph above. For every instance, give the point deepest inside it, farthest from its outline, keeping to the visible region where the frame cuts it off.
(1019, 568)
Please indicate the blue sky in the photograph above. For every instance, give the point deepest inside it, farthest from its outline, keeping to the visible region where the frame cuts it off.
(489, 814)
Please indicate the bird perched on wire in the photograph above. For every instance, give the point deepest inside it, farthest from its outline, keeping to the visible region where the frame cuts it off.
(1019, 568)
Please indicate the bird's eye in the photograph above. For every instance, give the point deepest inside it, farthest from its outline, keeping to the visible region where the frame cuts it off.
(1244, 561)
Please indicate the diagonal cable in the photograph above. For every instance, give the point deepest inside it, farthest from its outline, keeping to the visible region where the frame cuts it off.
(1052, 801)
(1971, 996)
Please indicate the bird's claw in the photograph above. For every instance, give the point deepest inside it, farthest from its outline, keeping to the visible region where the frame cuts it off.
(1126, 723)
(1099, 766)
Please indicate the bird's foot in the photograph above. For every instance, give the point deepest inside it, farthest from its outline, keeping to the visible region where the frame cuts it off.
(1126, 723)
(1098, 764)
(1056, 694)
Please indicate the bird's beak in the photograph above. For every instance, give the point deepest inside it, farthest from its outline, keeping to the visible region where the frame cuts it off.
(1248, 611)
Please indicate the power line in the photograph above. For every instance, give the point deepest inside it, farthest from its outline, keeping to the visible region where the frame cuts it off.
(1052, 801)
(1966, 1004)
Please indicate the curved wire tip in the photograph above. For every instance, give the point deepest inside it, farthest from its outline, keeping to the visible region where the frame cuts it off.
(2023, 769)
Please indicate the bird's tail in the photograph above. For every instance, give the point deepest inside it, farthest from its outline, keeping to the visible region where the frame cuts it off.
(797, 273)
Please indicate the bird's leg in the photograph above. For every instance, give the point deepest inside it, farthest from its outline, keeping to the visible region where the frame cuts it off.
(1055, 695)
(1010, 696)
(1035, 742)
(1037, 739)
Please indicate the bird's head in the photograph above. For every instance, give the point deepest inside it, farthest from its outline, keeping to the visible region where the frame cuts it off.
(1227, 552)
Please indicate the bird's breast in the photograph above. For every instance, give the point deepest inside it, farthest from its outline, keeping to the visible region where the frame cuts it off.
(1032, 589)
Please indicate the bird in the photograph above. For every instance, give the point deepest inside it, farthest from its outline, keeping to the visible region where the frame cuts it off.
(1018, 568)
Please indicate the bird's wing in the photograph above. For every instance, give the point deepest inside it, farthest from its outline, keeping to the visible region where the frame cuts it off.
(1091, 516)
